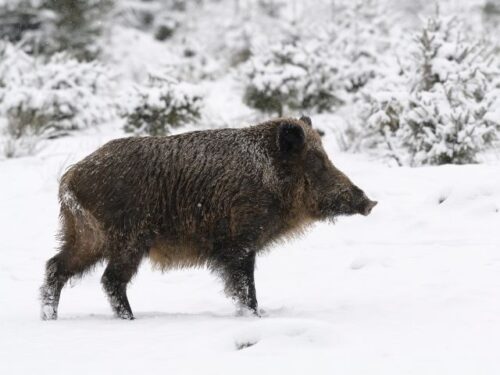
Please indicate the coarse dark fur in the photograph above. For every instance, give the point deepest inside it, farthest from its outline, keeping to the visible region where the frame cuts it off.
(210, 198)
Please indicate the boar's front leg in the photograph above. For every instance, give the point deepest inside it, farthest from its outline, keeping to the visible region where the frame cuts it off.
(237, 272)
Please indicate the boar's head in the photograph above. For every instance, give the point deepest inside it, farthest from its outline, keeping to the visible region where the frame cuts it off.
(327, 192)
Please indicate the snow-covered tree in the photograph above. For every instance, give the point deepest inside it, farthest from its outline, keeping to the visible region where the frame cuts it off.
(439, 112)
(18, 18)
(163, 105)
(52, 26)
(46, 98)
(319, 67)
(359, 33)
(491, 13)
(160, 18)
(75, 26)
(293, 75)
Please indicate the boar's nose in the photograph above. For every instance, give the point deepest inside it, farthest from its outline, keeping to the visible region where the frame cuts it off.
(368, 207)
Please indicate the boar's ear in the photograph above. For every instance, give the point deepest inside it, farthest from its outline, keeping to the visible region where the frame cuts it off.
(306, 120)
(291, 139)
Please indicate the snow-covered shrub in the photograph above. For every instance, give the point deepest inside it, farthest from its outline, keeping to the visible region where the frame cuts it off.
(271, 8)
(16, 142)
(160, 18)
(359, 34)
(165, 28)
(18, 17)
(75, 26)
(293, 75)
(491, 13)
(47, 98)
(52, 26)
(438, 112)
(275, 80)
(194, 64)
(238, 40)
(161, 106)
(318, 68)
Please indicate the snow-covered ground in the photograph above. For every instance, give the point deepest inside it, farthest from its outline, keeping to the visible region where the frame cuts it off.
(413, 288)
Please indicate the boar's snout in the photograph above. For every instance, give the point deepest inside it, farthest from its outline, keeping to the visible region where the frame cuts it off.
(362, 204)
(353, 201)
(367, 207)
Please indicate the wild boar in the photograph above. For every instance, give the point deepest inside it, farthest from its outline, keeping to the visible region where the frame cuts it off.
(213, 198)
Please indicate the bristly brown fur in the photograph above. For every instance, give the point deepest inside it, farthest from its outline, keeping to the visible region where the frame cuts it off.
(210, 198)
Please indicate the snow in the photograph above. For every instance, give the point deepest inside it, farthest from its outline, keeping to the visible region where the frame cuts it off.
(410, 289)
(414, 288)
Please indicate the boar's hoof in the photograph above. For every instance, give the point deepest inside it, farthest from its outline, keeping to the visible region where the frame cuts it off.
(125, 316)
(48, 312)
(244, 311)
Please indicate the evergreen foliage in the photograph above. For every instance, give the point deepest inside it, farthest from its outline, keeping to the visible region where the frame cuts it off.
(162, 106)
(439, 112)
(47, 98)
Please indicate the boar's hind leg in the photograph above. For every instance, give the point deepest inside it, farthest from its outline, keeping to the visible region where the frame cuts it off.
(237, 271)
(120, 270)
(68, 263)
